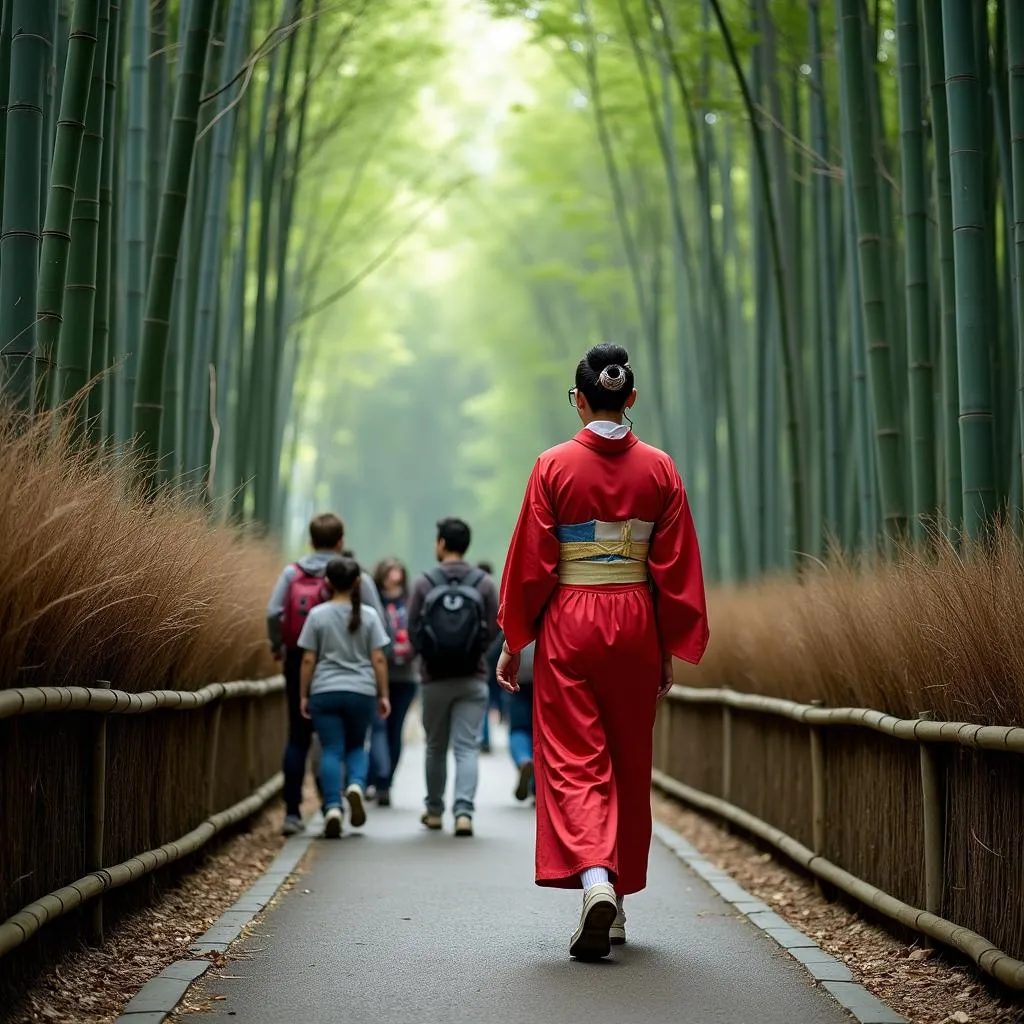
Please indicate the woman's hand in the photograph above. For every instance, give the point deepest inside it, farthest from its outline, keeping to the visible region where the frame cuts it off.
(667, 676)
(508, 670)
(383, 707)
(304, 708)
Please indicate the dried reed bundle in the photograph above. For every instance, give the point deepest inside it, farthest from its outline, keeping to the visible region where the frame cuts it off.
(101, 582)
(934, 630)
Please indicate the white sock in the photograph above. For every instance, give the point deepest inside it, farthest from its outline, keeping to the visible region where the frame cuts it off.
(592, 877)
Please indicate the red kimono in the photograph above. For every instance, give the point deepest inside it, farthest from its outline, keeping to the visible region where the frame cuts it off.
(604, 572)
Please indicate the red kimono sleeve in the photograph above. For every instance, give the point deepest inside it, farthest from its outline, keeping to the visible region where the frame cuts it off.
(531, 566)
(674, 564)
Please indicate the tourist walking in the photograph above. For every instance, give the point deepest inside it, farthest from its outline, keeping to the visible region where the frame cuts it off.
(391, 578)
(494, 691)
(452, 618)
(300, 588)
(343, 684)
(604, 573)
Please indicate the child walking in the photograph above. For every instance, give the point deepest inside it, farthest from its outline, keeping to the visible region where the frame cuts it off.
(344, 684)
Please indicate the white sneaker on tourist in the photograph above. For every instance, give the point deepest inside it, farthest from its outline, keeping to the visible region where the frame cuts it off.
(617, 932)
(356, 806)
(332, 823)
(592, 939)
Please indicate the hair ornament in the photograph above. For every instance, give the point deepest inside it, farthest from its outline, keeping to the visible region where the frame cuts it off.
(613, 378)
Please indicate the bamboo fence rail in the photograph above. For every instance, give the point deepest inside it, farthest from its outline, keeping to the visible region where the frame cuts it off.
(926, 733)
(21, 926)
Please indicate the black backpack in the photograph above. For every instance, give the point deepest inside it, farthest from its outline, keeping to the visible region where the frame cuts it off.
(451, 629)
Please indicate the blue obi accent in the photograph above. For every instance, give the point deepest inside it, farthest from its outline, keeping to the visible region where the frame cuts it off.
(576, 532)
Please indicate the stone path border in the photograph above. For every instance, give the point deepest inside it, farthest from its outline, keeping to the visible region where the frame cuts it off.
(159, 997)
(833, 975)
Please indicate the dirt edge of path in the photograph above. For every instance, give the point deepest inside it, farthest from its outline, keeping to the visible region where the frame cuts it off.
(915, 980)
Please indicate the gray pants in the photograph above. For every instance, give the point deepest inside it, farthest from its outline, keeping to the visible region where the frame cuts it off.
(453, 712)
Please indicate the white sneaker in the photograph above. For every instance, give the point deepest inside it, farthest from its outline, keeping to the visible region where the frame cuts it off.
(592, 940)
(332, 823)
(617, 932)
(356, 806)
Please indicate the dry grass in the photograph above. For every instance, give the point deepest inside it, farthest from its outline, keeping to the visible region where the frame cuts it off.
(98, 581)
(932, 631)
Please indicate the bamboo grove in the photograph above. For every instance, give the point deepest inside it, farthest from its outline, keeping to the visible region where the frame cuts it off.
(818, 210)
(152, 155)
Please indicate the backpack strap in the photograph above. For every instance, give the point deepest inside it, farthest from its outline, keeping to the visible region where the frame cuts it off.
(437, 577)
(473, 578)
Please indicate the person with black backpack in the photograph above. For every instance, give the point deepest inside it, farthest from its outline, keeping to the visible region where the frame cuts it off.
(453, 612)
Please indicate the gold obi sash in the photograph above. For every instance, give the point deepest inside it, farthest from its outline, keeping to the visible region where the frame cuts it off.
(614, 553)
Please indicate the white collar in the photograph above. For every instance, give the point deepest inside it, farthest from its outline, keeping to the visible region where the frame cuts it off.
(608, 429)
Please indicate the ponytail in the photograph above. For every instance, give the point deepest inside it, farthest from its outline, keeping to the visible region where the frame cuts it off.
(355, 620)
(345, 577)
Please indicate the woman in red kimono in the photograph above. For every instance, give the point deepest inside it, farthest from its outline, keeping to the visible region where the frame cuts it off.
(604, 573)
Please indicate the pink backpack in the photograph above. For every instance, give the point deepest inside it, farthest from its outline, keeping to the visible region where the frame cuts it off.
(305, 592)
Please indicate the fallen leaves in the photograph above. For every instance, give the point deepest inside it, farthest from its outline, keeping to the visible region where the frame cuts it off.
(93, 986)
(915, 981)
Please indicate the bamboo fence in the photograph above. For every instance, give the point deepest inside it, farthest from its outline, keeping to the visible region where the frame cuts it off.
(903, 802)
(217, 757)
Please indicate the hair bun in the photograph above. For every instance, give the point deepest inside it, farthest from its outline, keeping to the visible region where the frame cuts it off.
(612, 378)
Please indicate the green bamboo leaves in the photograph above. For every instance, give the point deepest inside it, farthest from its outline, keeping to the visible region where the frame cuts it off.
(149, 388)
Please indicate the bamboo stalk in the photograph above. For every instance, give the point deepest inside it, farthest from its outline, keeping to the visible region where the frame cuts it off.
(1015, 59)
(915, 221)
(212, 752)
(60, 204)
(967, 734)
(138, 132)
(860, 152)
(35, 699)
(966, 165)
(159, 295)
(726, 752)
(74, 354)
(103, 391)
(932, 805)
(249, 741)
(931, 23)
(97, 820)
(21, 221)
(818, 796)
(6, 17)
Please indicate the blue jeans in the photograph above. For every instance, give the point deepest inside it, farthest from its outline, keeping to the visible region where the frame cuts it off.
(520, 724)
(342, 721)
(494, 695)
(386, 738)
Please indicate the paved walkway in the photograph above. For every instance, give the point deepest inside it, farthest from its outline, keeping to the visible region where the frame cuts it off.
(400, 926)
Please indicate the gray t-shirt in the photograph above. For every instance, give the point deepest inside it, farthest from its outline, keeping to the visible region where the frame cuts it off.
(343, 658)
